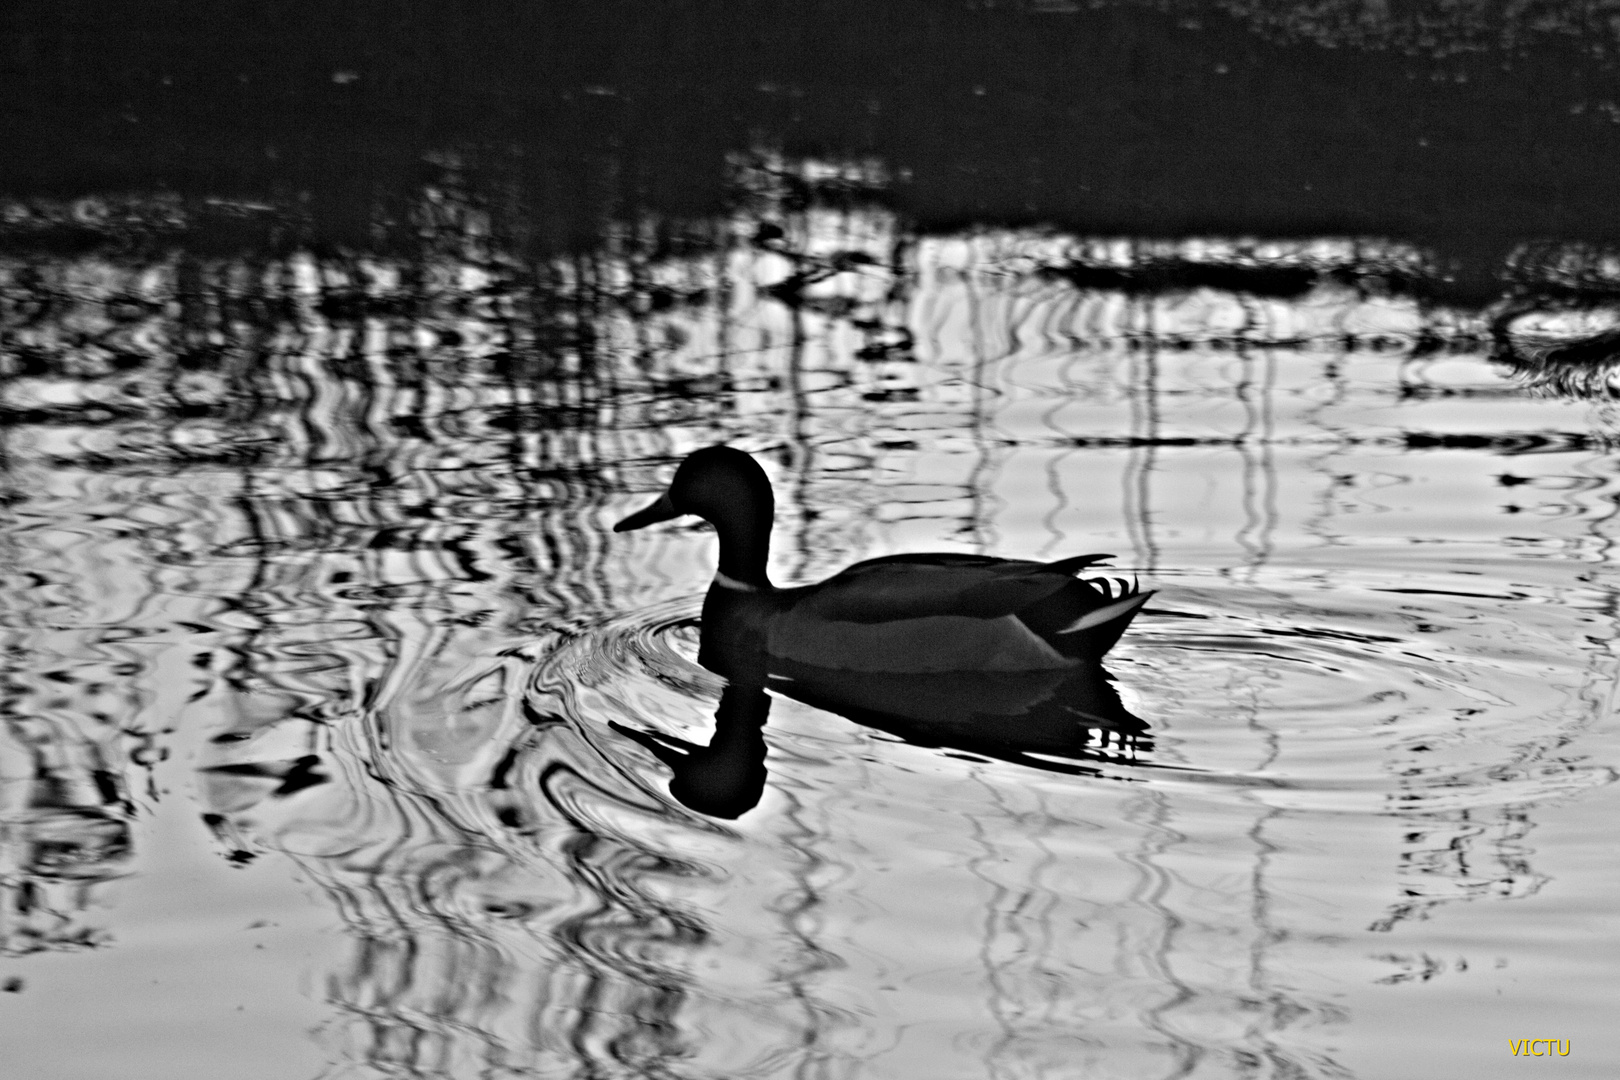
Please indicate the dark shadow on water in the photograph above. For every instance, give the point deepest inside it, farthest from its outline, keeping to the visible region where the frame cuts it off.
(1053, 720)
(1064, 721)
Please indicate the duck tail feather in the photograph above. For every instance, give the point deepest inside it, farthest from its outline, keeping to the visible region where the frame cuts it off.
(1118, 609)
(1074, 563)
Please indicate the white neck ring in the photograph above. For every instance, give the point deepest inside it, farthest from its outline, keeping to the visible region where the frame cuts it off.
(733, 584)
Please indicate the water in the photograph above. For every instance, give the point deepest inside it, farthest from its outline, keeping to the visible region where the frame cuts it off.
(321, 660)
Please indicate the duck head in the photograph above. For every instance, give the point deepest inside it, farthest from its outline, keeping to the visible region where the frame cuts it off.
(728, 489)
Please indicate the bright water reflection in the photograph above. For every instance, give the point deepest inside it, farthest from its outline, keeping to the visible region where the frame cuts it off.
(319, 548)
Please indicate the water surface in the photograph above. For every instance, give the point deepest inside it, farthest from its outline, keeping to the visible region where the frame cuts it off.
(320, 656)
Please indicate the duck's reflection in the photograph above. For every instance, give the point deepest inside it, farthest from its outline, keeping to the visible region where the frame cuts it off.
(726, 778)
(1065, 720)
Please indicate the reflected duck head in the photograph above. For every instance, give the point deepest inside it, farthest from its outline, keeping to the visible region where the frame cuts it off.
(726, 778)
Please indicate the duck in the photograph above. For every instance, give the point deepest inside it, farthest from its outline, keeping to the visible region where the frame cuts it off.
(909, 614)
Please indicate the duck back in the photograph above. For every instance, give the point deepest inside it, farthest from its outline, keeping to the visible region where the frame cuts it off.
(947, 612)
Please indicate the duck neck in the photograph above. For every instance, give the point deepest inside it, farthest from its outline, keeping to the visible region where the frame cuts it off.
(744, 546)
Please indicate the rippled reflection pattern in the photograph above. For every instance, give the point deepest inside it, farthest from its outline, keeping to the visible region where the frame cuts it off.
(349, 515)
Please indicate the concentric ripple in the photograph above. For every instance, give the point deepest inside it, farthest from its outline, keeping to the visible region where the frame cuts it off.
(1369, 697)
(1360, 699)
(1292, 716)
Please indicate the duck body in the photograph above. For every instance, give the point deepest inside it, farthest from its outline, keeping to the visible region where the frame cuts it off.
(932, 612)
(900, 614)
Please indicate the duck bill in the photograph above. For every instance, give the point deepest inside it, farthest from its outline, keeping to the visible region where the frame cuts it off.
(662, 510)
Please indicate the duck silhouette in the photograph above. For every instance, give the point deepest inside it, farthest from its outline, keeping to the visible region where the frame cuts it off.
(899, 614)
(1062, 721)
(995, 658)
(726, 778)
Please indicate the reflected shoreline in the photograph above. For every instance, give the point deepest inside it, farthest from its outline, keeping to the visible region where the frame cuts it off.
(1467, 129)
(810, 237)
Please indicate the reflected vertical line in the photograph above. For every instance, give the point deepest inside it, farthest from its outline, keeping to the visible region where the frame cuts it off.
(1060, 501)
(1604, 703)
(1142, 393)
(1319, 522)
(799, 415)
(1252, 423)
(1265, 935)
(1150, 449)
(16, 615)
(1054, 462)
(10, 542)
(977, 406)
(1268, 465)
(1034, 950)
(993, 1006)
(1151, 811)
(724, 296)
(1129, 509)
(241, 672)
(795, 919)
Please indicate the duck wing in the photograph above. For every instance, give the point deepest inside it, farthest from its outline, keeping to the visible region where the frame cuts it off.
(940, 612)
(900, 587)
